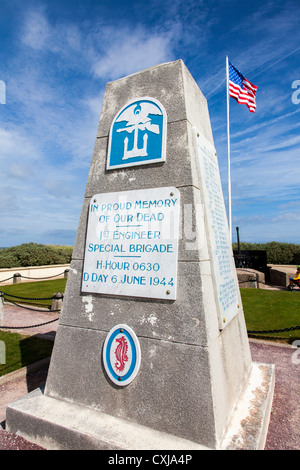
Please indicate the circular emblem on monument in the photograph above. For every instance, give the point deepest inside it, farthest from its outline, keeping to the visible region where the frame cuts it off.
(121, 355)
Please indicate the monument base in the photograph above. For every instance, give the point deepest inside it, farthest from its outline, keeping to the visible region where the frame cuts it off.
(59, 425)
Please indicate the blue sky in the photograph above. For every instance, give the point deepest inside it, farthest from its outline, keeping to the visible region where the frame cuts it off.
(56, 58)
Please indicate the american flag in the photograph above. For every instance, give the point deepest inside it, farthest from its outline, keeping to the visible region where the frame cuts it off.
(241, 89)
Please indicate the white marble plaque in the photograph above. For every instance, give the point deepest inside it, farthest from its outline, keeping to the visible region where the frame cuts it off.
(132, 244)
(221, 250)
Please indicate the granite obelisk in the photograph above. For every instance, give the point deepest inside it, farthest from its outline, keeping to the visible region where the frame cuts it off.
(151, 349)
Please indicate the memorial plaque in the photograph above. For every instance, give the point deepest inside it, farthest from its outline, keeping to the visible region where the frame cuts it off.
(121, 355)
(132, 243)
(138, 134)
(222, 255)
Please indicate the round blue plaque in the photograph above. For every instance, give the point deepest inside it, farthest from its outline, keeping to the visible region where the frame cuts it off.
(121, 355)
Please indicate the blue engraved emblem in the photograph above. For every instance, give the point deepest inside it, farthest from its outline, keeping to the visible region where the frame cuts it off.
(121, 355)
(138, 134)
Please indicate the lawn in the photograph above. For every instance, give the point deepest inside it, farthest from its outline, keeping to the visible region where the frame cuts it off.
(35, 290)
(19, 351)
(272, 310)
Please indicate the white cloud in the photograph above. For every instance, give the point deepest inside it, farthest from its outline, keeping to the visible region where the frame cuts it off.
(20, 171)
(36, 30)
(37, 33)
(128, 51)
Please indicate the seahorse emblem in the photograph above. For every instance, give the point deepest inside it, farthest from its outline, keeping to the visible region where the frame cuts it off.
(121, 353)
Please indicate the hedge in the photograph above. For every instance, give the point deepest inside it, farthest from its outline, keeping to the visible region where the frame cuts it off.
(34, 254)
(277, 252)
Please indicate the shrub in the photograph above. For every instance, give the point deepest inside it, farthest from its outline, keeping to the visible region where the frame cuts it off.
(277, 252)
(33, 254)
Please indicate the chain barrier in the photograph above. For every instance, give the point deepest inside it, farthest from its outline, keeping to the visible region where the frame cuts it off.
(34, 278)
(30, 298)
(282, 330)
(4, 280)
(27, 308)
(4, 296)
(37, 278)
(25, 327)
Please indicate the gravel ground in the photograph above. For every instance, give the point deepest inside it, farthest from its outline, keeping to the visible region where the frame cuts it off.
(284, 430)
(283, 433)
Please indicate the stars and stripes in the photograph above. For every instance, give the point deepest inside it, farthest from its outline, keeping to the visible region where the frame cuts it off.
(241, 89)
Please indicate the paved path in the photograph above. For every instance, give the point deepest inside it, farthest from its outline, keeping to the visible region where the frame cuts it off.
(22, 317)
(284, 430)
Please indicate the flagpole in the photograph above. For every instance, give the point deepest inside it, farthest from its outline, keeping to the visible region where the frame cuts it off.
(228, 153)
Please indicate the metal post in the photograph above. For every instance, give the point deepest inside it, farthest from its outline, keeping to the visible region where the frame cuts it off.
(17, 278)
(57, 301)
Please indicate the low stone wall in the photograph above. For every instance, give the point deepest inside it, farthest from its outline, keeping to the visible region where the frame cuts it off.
(33, 273)
(248, 277)
(279, 275)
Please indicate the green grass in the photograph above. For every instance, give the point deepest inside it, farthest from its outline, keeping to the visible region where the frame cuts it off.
(35, 290)
(20, 351)
(272, 310)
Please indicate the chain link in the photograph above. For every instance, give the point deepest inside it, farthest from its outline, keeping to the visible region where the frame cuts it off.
(29, 298)
(32, 310)
(37, 278)
(282, 330)
(27, 308)
(4, 280)
(25, 327)
(34, 278)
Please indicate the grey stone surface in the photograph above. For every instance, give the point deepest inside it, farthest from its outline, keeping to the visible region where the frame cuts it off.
(171, 84)
(61, 425)
(250, 420)
(56, 424)
(250, 277)
(279, 275)
(178, 170)
(181, 320)
(168, 370)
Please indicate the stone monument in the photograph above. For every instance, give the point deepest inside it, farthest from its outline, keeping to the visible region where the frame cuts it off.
(151, 350)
